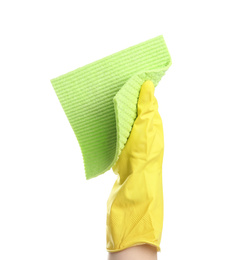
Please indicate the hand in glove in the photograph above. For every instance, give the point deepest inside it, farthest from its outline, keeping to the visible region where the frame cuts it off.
(135, 205)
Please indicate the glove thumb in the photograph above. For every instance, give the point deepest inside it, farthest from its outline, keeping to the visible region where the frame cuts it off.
(147, 101)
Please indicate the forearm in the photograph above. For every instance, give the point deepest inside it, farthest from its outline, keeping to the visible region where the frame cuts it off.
(145, 252)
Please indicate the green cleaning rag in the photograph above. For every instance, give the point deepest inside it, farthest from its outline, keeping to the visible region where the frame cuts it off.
(100, 100)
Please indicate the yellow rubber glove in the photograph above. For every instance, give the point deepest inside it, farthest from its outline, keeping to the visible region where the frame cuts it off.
(135, 205)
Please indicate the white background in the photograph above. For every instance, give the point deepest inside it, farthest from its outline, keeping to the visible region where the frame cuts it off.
(47, 208)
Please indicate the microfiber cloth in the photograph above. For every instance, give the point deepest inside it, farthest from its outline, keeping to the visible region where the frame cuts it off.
(100, 100)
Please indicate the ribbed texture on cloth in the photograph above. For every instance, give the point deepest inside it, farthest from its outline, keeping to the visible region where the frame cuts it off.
(100, 100)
